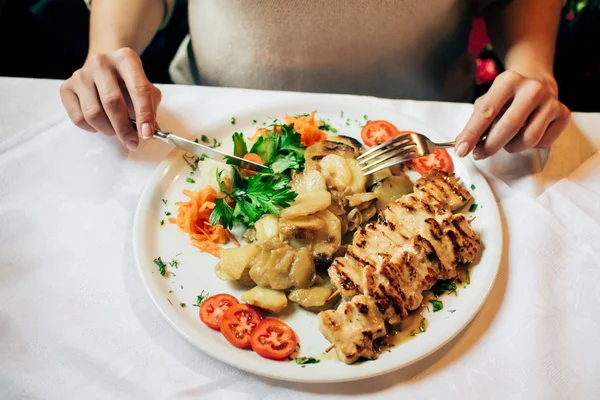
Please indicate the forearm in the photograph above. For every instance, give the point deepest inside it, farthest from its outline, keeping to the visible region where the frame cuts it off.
(123, 23)
(523, 33)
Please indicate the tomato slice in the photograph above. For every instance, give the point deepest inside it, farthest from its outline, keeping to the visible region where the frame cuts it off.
(238, 323)
(377, 132)
(213, 308)
(273, 339)
(439, 159)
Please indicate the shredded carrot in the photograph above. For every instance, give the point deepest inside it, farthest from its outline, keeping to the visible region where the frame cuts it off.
(308, 128)
(193, 218)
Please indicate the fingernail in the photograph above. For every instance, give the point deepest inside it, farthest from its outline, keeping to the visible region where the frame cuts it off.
(477, 155)
(462, 149)
(132, 145)
(146, 130)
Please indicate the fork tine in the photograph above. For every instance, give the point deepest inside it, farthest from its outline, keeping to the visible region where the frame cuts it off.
(382, 145)
(397, 146)
(408, 157)
(404, 150)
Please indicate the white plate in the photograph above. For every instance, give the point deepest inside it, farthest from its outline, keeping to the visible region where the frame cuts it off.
(195, 272)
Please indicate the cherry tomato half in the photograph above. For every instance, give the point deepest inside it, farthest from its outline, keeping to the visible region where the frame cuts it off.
(273, 339)
(238, 323)
(377, 132)
(213, 308)
(439, 159)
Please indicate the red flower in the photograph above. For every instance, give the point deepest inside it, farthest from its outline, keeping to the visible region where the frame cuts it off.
(486, 71)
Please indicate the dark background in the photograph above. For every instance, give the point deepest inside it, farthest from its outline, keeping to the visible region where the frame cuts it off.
(48, 39)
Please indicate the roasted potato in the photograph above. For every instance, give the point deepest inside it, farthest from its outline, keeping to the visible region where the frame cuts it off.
(235, 260)
(307, 204)
(267, 299)
(391, 189)
(313, 299)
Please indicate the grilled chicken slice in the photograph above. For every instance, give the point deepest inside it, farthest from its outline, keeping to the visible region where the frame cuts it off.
(444, 187)
(414, 242)
(354, 326)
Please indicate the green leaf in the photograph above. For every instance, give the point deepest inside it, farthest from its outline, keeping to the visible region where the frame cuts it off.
(222, 213)
(467, 277)
(443, 286)
(239, 145)
(473, 187)
(473, 207)
(437, 305)
(161, 266)
(307, 360)
(190, 180)
(232, 120)
(327, 127)
(284, 162)
(200, 298)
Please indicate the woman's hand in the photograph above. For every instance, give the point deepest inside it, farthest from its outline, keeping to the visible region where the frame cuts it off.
(533, 118)
(96, 96)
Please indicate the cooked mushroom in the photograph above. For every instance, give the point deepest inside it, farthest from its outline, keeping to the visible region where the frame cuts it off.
(355, 200)
(350, 141)
(279, 266)
(316, 152)
(320, 234)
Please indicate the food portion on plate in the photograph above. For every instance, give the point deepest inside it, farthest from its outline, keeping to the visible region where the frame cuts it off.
(359, 252)
(414, 242)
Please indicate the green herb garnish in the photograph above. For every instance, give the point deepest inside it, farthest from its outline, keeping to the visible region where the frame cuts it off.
(192, 161)
(467, 277)
(473, 207)
(451, 311)
(204, 138)
(262, 194)
(473, 187)
(327, 127)
(164, 201)
(437, 305)
(167, 213)
(365, 117)
(423, 325)
(161, 266)
(200, 298)
(232, 120)
(307, 360)
(444, 286)
(190, 180)
(162, 222)
(183, 305)
(253, 121)
(196, 140)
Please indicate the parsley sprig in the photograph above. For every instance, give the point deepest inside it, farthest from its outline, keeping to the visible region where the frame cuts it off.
(254, 197)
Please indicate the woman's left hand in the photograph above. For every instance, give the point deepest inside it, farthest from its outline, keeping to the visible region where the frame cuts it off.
(534, 117)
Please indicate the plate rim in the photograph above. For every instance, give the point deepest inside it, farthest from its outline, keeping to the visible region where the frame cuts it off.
(263, 108)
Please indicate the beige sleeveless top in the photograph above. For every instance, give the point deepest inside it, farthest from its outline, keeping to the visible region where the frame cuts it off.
(412, 49)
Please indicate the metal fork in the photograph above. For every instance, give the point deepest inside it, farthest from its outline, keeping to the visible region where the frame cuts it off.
(400, 149)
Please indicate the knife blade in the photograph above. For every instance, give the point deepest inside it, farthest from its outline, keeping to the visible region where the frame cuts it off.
(206, 151)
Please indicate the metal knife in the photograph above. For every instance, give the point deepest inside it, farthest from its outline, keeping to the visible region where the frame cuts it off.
(206, 151)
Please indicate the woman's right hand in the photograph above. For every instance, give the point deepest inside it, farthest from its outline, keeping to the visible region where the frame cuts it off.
(98, 96)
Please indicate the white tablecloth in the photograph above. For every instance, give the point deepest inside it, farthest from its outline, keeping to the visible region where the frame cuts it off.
(76, 322)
